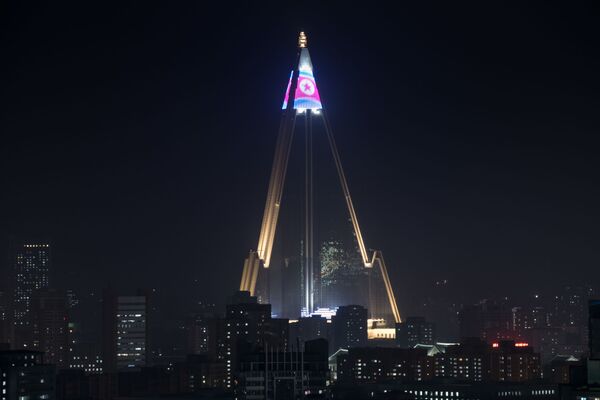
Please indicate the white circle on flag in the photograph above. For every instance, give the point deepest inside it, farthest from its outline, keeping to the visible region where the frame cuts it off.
(307, 87)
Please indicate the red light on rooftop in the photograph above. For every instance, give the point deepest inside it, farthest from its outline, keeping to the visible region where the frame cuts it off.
(495, 344)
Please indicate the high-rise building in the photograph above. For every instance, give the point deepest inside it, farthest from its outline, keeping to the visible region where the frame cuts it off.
(86, 357)
(594, 329)
(72, 299)
(201, 334)
(83, 355)
(553, 341)
(413, 331)
(571, 306)
(593, 364)
(31, 265)
(309, 328)
(49, 325)
(349, 326)
(352, 271)
(487, 320)
(125, 331)
(24, 376)
(248, 326)
(201, 330)
(570, 313)
(6, 327)
(252, 316)
(529, 317)
(217, 344)
(278, 374)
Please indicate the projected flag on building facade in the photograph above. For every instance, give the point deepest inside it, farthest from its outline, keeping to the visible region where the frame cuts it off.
(306, 96)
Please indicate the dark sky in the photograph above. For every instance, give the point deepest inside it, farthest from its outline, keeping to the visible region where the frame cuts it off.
(139, 137)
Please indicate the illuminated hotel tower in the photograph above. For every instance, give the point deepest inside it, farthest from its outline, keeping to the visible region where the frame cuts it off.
(303, 102)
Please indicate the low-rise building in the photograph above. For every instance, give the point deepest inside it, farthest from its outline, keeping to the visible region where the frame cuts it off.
(378, 364)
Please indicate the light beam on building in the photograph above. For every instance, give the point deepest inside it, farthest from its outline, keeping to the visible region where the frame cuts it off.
(302, 99)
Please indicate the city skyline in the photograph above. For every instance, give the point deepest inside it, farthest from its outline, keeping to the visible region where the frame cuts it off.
(458, 139)
(476, 177)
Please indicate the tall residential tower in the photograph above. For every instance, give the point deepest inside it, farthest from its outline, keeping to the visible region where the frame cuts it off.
(31, 267)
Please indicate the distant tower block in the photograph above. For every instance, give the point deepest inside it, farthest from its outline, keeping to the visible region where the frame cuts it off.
(302, 99)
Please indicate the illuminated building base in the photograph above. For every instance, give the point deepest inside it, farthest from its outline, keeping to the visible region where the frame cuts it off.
(377, 329)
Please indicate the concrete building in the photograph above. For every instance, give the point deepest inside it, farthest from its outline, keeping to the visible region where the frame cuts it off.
(377, 364)
(452, 390)
(31, 263)
(594, 329)
(413, 331)
(247, 326)
(349, 327)
(487, 320)
(276, 374)
(125, 331)
(49, 326)
(511, 361)
(24, 376)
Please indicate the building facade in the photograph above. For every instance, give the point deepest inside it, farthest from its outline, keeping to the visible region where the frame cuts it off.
(24, 376)
(413, 331)
(49, 326)
(275, 374)
(487, 320)
(379, 364)
(452, 390)
(125, 331)
(31, 266)
(247, 326)
(594, 329)
(349, 327)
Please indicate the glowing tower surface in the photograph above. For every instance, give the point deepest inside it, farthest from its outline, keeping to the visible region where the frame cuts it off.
(302, 98)
(306, 96)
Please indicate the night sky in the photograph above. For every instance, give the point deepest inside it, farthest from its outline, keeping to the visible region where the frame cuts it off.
(139, 138)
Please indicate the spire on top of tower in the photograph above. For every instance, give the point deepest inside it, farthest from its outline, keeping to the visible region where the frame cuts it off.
(302, 40)
(306, 96)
